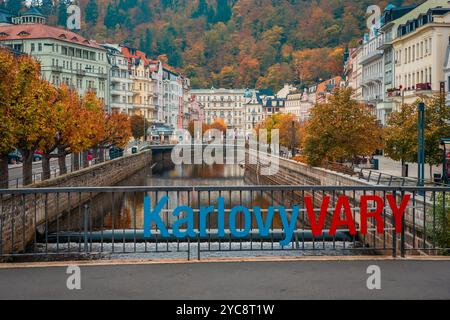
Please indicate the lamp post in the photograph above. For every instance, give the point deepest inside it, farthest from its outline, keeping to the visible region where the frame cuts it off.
(443, 147)
(421, 145)
(293, 139)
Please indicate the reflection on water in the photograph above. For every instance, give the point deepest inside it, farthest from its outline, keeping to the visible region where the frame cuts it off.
(125, 210)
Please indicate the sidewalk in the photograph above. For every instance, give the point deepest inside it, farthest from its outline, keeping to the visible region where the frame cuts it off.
(400, 279)
(394, 168)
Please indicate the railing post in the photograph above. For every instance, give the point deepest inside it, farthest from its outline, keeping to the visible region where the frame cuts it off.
(402, 244)
(85, 218)
(394, 233)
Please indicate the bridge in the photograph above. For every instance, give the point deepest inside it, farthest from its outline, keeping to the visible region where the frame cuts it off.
(108, 221)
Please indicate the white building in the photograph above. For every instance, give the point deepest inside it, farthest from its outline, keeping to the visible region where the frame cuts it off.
(121, 88)
(173, 99)
(372, 71)
(299, 105)
(65, 57)
(420, 48)
(447, 74)
(414, 43)
(226, 104)
(353, 72)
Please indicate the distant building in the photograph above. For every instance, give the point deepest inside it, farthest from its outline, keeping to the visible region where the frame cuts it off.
(299, 105)
(226, 104)
(447, 74)
(65, 56)
(420, 47)
(121, 84)
(287, 89)
(353, 72)
(173, 99)
(322, 92)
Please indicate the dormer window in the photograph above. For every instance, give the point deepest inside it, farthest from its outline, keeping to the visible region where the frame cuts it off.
(23, 33)
(3, 34)
(75, 39)
(62, 36)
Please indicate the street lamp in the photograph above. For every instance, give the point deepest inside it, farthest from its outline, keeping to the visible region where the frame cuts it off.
(421, 145)
(445, 159)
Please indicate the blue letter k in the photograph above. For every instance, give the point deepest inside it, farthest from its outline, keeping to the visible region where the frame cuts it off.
(153, 216)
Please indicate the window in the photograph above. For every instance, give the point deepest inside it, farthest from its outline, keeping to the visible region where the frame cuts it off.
(32, 47)
(40, 46)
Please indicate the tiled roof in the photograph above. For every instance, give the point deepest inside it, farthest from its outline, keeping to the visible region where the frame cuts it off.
(326, 85)
(41, 31)
(170, 68)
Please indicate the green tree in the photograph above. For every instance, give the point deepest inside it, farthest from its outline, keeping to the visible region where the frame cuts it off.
(14, 5)
(400, 135)
(62, 12)
(437, 126)
(92, 12)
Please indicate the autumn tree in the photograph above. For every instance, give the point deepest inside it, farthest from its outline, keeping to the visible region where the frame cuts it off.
(8, 139)
(289, 128)
(400, 135)
(219, 124)
(33, 102)
(139, 124)
(94, 126)
(340, 130)
(66, 120)
(117, 130)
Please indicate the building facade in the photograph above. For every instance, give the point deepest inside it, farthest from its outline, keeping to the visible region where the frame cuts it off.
(372, 71)
(65, 56)
(226, 104)
(121, 85)
(299, 105)
(420, 48)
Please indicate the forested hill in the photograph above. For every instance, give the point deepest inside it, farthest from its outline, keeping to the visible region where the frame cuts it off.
(232, 43)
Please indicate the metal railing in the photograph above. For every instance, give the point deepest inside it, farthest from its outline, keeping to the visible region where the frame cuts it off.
(108, 222)
(380, 178)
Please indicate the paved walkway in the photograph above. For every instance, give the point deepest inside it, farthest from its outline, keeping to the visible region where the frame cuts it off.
(402, 279)
(391, 167)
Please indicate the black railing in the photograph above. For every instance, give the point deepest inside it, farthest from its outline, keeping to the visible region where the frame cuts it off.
(109, 222)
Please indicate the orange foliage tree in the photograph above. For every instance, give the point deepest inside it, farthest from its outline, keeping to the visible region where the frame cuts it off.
(341, 130)
(8, 72)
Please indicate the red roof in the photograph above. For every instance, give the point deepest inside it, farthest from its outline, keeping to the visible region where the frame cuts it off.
(135, 54)
(169, 68)
(42, 31)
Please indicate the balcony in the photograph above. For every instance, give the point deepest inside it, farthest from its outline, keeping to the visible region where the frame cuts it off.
(378, 77)
(423, 87)
(368, 58)
(56, 69)
(103, 75)
(80, 72)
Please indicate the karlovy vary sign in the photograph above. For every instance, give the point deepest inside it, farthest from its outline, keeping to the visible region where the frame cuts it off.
(371, 207)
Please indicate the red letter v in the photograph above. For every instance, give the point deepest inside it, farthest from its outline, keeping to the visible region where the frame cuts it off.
(317, 227)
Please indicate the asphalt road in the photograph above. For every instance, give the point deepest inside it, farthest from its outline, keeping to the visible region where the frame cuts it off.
(234, 280)
(15, 171)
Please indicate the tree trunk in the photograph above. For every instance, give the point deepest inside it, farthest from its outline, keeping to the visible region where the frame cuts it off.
(45, 167)
(102, 155)
(62, 163)
(27, 169)
(403, 168)
(76, 161)
(85, 161)
(4, 172)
